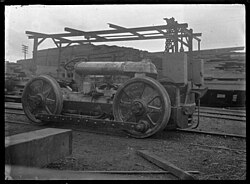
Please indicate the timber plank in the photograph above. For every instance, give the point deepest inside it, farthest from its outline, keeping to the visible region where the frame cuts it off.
(166, 165)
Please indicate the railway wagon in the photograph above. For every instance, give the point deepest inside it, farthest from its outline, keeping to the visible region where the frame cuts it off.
(132, 96)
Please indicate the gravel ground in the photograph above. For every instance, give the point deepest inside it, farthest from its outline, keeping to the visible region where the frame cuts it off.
(117, 152)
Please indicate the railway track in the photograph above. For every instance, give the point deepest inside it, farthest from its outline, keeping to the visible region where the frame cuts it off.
(80, 128)
(16, 108)
(235, 115)
(211, 133)
(223, 111)
(219, 116)
(217, 111)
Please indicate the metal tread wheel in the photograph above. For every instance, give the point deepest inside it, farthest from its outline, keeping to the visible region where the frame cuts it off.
(145, 101)
(41, 94)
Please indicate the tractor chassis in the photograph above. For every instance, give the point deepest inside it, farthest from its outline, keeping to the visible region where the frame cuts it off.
(80, 119)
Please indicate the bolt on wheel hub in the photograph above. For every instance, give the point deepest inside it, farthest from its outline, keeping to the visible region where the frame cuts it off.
(39, 99)
(138, 108)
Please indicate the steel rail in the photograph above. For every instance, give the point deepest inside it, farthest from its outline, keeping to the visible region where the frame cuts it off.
(210, 133)
(202, 109)
(113, 133)
(222, 117)
(222, 114)
(223, 111)
(203, 113)
(130, 172)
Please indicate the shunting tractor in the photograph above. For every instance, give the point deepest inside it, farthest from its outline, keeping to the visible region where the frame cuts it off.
(132, 96)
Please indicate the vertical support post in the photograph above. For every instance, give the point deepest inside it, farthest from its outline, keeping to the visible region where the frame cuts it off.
(59, 59)
(190, 41)
(34, 64)
(181, 48)
(199, 45)
(190, 56)
(176, 39)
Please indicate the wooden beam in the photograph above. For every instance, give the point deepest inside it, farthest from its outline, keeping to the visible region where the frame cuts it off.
(41, 41)
(42, 35)
(93, 34)
(35, 46)
(68, 44)
(125, 29)
(137, 29)
(164, 164)
(61, 39)
(16, 172)
(176, 45)
(55, 42)
(83, 33)
(190, 41)
(149, 34)
(71, 34)
(186, 31)
(35, 34)
(125, 39)
(59, 59)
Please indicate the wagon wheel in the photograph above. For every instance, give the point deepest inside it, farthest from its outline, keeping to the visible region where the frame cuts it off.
(41, 95)
(144, 101)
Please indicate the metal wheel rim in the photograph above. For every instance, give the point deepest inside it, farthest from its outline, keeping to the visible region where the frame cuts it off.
(43, 89)
(164, 101)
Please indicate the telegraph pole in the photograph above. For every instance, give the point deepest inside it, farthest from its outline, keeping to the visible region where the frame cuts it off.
(25, 50)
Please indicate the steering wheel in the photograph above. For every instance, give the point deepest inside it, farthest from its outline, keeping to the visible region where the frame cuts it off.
(70, 65)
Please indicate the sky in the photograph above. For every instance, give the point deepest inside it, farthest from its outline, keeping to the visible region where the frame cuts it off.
(221, 25)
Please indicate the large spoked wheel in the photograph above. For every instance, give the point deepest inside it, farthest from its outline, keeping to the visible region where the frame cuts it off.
(144, 101)
(41, 95)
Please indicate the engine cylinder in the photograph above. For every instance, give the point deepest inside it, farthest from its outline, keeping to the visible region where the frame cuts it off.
(114, 68)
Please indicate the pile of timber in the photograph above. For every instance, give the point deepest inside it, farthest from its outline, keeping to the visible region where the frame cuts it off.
(49, 57)
(223, 64)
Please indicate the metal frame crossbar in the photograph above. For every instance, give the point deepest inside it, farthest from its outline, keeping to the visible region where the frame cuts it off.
(173, 32)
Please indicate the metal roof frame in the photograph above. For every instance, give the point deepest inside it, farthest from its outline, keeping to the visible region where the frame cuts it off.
(173, 32)
(163, 32)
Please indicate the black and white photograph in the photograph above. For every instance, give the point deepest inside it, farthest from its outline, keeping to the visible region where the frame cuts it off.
(125, 92)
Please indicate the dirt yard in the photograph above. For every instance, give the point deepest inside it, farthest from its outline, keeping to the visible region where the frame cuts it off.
(117, 152)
